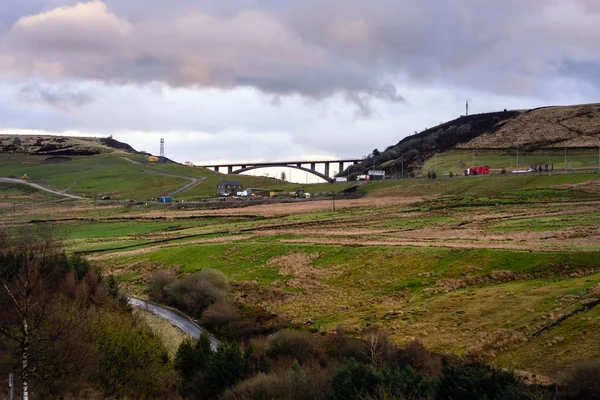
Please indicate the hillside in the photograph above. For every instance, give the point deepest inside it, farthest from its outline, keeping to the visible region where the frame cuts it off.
(531, 130)
(122, 176)
(61, 145)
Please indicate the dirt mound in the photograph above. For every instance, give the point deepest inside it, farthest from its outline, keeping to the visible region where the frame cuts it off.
(57, 146)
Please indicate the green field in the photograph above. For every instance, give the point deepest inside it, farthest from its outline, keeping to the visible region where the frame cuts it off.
(113, 175)
(461, 263)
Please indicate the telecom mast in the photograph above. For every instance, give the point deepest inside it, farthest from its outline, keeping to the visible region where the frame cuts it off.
(162, 147)
(467, 114)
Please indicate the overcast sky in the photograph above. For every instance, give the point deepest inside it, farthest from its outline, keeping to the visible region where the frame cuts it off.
(277, 80)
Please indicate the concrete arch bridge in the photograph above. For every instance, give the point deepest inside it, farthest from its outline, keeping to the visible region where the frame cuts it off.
(307, 166)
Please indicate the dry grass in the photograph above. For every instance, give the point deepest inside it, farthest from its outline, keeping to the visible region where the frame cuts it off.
(571, 126)
(170, 335)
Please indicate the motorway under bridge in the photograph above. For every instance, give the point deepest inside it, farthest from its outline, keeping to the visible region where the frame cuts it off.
(307, 166)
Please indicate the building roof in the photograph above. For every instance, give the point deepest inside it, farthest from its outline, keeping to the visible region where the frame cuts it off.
(229, 183)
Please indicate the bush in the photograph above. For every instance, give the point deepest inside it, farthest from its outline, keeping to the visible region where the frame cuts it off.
(406, 383)
(503, 171)
(353, 380)
(294, 384)
(421, 360)
(157, 282)
(582, 382)
(290, 343)
(192, 293)
(133, 361)
(219, 314)
(341, 346)
(451, 174)
(480, 382)
(433, 175)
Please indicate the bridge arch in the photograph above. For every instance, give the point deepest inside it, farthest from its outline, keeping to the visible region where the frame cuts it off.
(310, 171)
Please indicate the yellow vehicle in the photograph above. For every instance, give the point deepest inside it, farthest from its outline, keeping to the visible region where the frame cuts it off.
(152, 159)
(24, 176)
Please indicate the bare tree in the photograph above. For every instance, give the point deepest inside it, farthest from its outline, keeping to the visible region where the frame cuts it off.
(29, 267)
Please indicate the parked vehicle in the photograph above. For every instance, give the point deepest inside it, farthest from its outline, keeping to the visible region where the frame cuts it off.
(478, 170)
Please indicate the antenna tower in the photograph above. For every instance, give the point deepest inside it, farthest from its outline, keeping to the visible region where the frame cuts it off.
(162, 147)
(467, 114)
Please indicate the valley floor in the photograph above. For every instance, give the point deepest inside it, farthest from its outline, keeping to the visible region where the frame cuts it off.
(509, 273)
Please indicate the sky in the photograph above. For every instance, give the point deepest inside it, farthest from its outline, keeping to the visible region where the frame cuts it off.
(263, 80)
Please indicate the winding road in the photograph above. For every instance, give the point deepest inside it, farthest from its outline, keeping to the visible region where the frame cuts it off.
(181, 322)
(193, 181)
(40, 187)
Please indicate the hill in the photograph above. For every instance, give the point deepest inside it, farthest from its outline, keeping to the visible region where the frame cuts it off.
(531, 130)
(61, 145)
(122, 176)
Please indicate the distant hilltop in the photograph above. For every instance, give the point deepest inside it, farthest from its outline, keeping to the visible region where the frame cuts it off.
(576, 126)
(61, 145)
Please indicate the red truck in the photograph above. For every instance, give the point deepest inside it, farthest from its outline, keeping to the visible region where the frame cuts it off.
(478, 170)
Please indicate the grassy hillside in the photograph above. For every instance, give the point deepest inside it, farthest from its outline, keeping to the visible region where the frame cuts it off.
(122, 176)
(537, 131)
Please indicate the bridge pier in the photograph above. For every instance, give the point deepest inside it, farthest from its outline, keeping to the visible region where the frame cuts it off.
(312, 166)
(327, 169)
(216, 168)
(299, 165)
(230, 169)
(340, 168)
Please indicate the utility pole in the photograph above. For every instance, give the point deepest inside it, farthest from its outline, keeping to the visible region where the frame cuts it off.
(11, 386)
(473, 163)
(517, 158)
(402, 166)
(333, 199)
(565, 159)
(435, 161)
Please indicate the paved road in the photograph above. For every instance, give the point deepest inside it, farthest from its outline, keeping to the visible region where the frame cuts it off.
(193, 181)
(181, 322)
(40, 187)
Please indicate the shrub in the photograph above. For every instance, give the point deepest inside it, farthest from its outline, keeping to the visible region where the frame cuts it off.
(582, 382)
(406, 383)
(341, 346)
(193, 293)
(291, 384)
(219, 314)
(353, 380)
(480, 382)
(217, 278)
(157, 282)
(451, 174)
(133, 362)
(290, 343)
(503, 171)
(433, 175)
(421, 360)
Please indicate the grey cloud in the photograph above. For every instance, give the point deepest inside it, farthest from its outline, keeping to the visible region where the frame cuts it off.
(63, 98)
(315, 48)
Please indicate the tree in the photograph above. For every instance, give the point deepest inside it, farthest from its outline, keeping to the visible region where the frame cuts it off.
(226, 368)
(31, 267)
(283, 176)
(375, 153)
